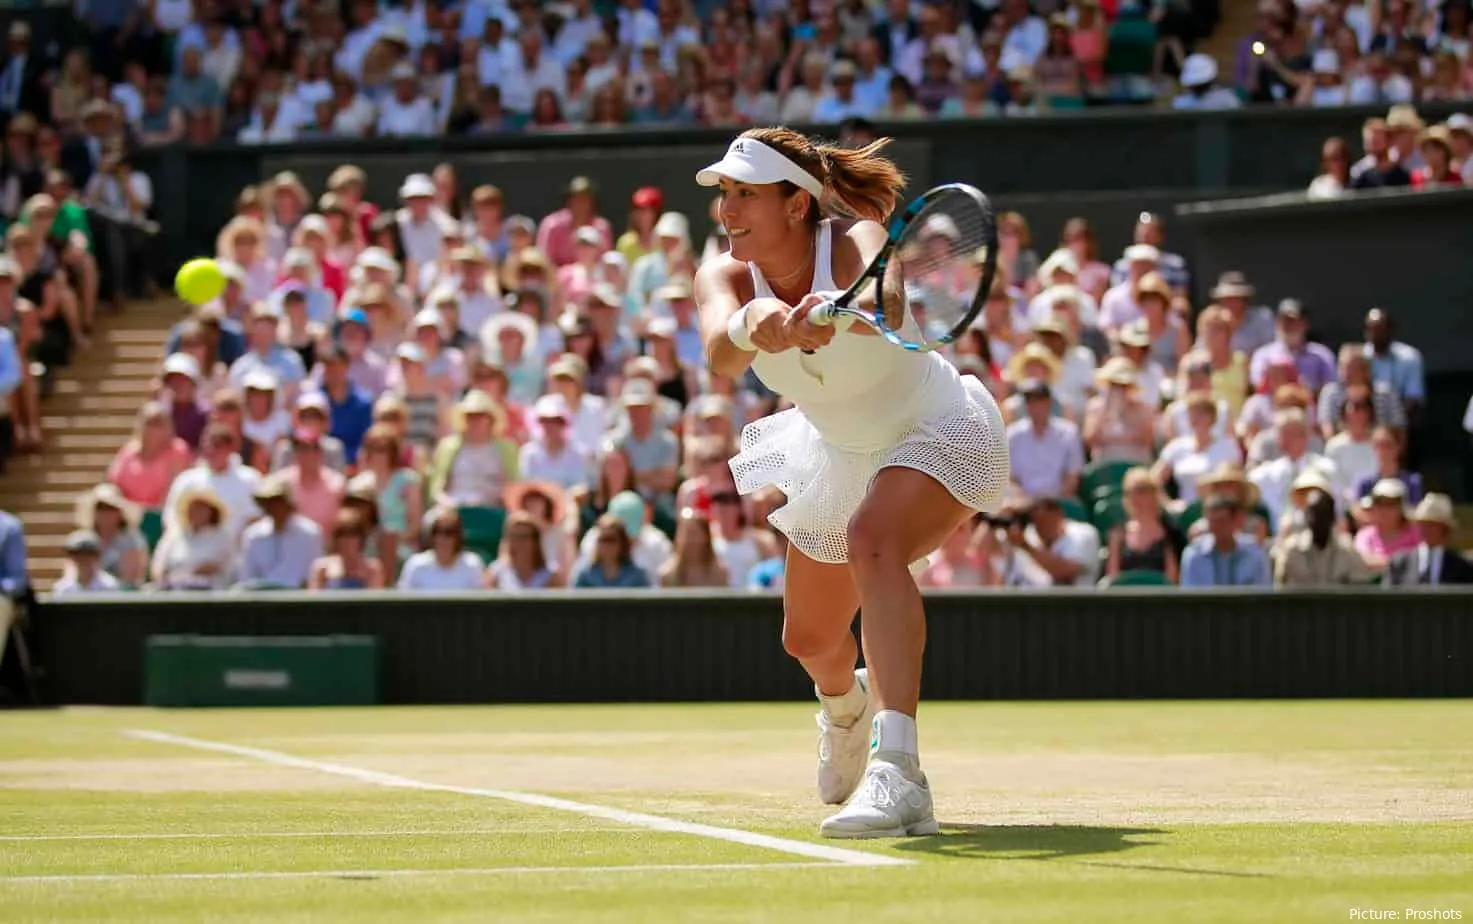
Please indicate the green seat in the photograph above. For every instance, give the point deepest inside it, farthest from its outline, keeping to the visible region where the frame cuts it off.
(483, 526)
(1106, 492)
(487, 552)
(1137, 579)
(1131, 47)
(1073, 509)
(1190, 515)
(151, 524)
(1107, 515)
(1098, 475)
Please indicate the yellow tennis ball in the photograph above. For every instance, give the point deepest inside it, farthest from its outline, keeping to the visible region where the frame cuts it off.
(199, 281)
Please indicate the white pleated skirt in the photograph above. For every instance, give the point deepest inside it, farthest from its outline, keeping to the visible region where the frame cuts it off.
(963, 445)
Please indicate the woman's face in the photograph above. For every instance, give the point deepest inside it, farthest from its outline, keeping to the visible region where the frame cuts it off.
(155, 431)
(1141, 502)
(538, 506)
(1386, 449)
(348, 544)
(521, 542)
(443, 538)
(1386, 514)
(106, 519)
(1216, 335)
(244, 249)
(694, 535)
(259, 403)
(511, 343)
(755, 217)
(199, 515)
(608, 547)
(1201, 420)
(616, 470)
(479, 427)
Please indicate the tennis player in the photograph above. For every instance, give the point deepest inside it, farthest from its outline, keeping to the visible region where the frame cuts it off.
(885, 453)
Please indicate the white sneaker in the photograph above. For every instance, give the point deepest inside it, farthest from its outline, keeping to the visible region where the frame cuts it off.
(842, 749)
(888, 804)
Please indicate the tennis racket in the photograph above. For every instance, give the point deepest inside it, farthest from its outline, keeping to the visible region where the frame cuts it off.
(942, 253)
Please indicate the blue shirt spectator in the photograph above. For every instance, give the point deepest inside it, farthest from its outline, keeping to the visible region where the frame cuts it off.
(1225, 556)
(10, 364)
(230, 346)
(629, 575)
(1397, 364)
(14, 576)
(349, 407)
(272, 556)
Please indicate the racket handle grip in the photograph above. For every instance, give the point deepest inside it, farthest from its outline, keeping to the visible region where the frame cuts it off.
(822, 315)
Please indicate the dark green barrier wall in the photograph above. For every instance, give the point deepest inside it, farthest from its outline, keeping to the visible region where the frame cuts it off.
(569, 647)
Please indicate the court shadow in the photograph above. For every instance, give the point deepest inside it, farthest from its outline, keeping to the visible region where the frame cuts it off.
(1030, 842)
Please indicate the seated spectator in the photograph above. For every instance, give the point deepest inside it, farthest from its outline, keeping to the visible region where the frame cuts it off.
(1199, 87)
(1319, 554)
(312, 415)
(1118, 424)
(612, 564)
(197, 550)
(1224, 556)
(1143, 542)
(1163, 330)
(1134, 343)
(649, 548)
(445, 564)
(552, 456)
(1121, 304)
(212, 338)
(1188, 457)
(567, 376)
(1076, 364)
(1275, 479)
(149, 462)
(740, 546)
(1067, 550)
(367, 370)
(347, 564)
(1397, 364)
(1355, 371)
(121, 551)
(1334, 176)
(693, 562)
(1386, 445)
(957, 563)
(473, 466)
(1258, 411)
(580, 209)
(265, 420)
(265, 355)
(243, 242)
(1253, 326)
(180, 393)
(1229, 366)
(1388, 530)
(84, 572)
(1377, 169)
(1437, 151)
(316, 489)
(278, 550)
(552, 509)
(219, 469)
(1351, 450)
(653, 452)
(1313, 362)
(521, 563)
(1265, 443)
(768, 573)
(425, 406)
(1432, 561)
(1195, 376)
(1046, 452)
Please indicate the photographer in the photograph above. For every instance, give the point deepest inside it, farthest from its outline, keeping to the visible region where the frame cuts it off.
(119, 198)
(1068, 553)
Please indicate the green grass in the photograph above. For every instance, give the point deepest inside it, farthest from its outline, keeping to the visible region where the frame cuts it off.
(1069, 812)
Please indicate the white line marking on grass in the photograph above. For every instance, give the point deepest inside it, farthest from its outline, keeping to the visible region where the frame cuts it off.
(268, 835)
(638, 819)
(387, 873)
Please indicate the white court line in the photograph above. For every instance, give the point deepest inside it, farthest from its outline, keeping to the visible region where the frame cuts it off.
(387, 873)
(268, 835)
(638, 819)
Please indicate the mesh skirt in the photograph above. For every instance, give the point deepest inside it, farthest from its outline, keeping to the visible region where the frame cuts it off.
(963, 446)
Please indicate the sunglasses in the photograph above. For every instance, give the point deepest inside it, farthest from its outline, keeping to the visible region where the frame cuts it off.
(444, 531)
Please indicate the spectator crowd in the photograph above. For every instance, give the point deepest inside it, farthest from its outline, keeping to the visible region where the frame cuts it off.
(441, 393)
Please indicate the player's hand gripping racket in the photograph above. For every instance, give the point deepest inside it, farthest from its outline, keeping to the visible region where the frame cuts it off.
(942, 246)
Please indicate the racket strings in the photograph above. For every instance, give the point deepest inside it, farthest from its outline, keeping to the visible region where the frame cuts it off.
(940, 263)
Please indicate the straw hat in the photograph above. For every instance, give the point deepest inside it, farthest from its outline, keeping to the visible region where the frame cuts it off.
(204, 494)
(1232, 284)
(516, 493)
(1033, 352)
(1136, 335)
(1436, 508)
(478, 402)
(106, 495)
(1228, 474)
(511, 320)
(1118, 371)
(1153, 284)
(1386, 489)
(1312, 478)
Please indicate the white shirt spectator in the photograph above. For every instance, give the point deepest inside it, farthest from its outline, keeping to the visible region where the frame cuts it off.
(670, 46)
(1188, 463)
(423, 572)
(221, 62)
(354, 120)
(637, 27)
(574, 36)
(68, 585)
(1042, 306)
(1276, 479)
(349, 58)
(1080, 544)
(281, 130)
(127, 96)
(1365, 91)
(799, 107)
(105, 191)
(422, 239)
(236, 486)
(569, 468)
(171, 16)
(912, 62)
(519, 84)
(590, 421)
(489, 61)
(1026, 40)
(831, 110)
(1353, 460)
(402, 120)
(1119, 307)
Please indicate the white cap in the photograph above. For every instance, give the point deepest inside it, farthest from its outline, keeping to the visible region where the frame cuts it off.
(417, 185)
(428, 317)
(260, 380)
(615, 258)
(750, 161)
(182, 364)
(1197, 70)
(672, 224)
(1143, 253)
(378, 258)
(661, 327)
(1326, 62)
(410, 352)
(313, 399)
(313, 224)
(298, 257)
(1460, 122)
(588, 235)
(403, 71)
(551, 407)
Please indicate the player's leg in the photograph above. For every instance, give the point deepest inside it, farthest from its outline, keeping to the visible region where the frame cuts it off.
(819, 602)
(906, 515)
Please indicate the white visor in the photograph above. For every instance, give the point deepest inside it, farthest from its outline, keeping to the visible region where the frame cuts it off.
(750, 161)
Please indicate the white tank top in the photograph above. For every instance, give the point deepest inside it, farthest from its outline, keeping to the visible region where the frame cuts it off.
(860, 392)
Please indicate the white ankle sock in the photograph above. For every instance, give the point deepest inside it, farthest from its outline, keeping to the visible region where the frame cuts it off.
(894, 733)
(846, 707)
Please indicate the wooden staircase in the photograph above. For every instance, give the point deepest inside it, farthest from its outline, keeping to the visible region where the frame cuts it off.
(84, 422)
(1238, 19)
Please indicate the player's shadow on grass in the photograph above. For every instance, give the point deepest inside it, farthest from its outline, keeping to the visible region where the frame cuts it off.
(1052, 842)
(1030, 842)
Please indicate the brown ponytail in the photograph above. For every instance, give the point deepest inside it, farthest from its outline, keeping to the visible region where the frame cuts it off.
(859, 183)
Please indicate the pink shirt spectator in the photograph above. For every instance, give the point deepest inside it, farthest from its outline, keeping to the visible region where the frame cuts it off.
(1094, 278)
(146, 481)
(555, 236)
(318, 502)
(575, 281)
(1370, 542)
(1118, 308)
